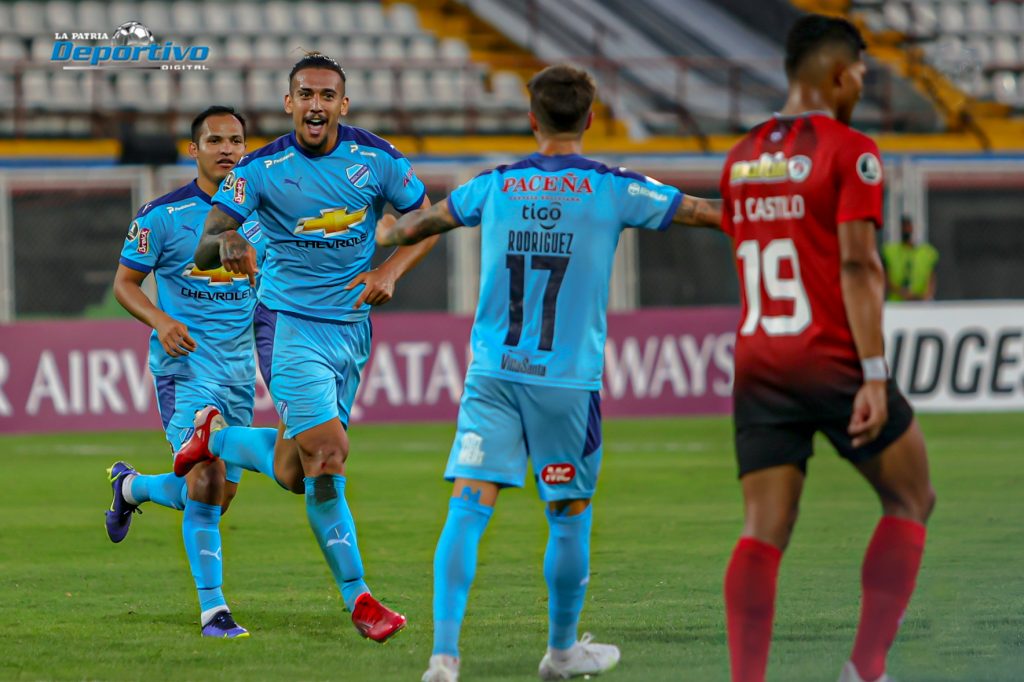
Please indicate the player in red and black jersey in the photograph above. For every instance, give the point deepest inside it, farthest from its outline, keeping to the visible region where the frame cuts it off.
(802, 199)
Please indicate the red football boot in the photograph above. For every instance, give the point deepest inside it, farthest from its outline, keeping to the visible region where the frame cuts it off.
(197, 448)
(374, 620)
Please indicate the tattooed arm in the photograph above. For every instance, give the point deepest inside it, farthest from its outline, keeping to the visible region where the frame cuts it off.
(221, 245)
(415, 226)
(697, 212)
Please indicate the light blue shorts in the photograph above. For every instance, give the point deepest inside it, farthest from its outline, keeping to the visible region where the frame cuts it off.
(502, 423)
(179, 398)
(315, 370)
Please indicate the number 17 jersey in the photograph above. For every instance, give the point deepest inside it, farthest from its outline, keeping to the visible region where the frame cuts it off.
(549, 228)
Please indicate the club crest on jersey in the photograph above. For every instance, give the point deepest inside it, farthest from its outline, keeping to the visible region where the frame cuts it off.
(133, 231)
(358, 174)
(213, 277)
(229, 181)
(252, 231)
(331, 221)
(771, 168)
(869, 168)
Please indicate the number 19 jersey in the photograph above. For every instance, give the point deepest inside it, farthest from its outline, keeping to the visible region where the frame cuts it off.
(549, 228)
(786, 187)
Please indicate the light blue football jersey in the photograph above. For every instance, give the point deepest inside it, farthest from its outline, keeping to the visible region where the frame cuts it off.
(215, 305)
(550, 225)
(305, 203)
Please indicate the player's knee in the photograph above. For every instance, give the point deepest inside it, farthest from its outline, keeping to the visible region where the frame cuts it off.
(324, 456)
(206, 482)
(915, 504)
(568, 507)
(773, 526)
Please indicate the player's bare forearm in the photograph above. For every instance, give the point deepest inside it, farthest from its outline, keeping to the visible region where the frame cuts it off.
(698, 212)
(218, 223)
(862, 279)
(416, 226)
(128, 292)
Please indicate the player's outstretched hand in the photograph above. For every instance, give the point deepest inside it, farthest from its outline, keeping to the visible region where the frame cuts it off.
(870, 412)
(378, 290)
(238, 256)
(174, 337)
(384, 225)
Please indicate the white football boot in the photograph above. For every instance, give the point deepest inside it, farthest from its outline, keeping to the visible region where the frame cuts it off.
(850, 674)
(442, 669)
(585, 657)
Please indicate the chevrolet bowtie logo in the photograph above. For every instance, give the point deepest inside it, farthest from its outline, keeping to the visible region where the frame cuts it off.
(218, 276)
(331, 221)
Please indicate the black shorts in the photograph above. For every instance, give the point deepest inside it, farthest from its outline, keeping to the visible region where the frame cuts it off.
(761, 445)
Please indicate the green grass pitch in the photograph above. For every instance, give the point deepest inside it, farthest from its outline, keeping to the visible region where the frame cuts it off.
(667, 513)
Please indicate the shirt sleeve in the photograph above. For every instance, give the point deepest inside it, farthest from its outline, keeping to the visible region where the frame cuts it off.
(239, 193)
(859, 181)
(725, 190)
(644, 202)
(399, 183)
(142, 244)
(466, 202)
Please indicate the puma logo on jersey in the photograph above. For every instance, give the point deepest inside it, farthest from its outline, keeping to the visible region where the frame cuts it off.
(289, 181)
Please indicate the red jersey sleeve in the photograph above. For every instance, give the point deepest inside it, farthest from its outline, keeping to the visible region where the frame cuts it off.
(859, 180)
(723, 189)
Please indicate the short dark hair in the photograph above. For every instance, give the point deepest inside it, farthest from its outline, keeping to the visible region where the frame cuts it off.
(216, 109)
(561, 97)
(815, 31)
(316, 60)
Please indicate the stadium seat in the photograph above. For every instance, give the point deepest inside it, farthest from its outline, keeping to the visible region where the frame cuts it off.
(217, 17)
(979, 17)
(370, 18)
(60, 16)
(979, 52)
(227, 88)
(238, 48)
(35, 89)
(187, 16)
(381, 88)
(422, 49)
(41, 49)
(330, 45)
(391, 49)
(267, 48)
(248, 19)
(355, 86)
(924, 19)
(454, 50)
(194, 93)
(5, 16)
(160, 85)
(416, 94)
(1005, 53)
(339, 18)
(308, 17)
(27, 17)
(67, 92)
(896, 17)
(92, 16)
(403, 19)
(122, 11)
(1006, 88)
(1006, 17)
(156, 15)
(951, 17)
(360, 48)
(508, 89)
(6, 91)
(265, 90)
(12, 48)
(131, 90)
(279, 17)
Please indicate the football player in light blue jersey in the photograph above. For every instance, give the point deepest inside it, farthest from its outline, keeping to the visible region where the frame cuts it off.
(549, 227)
(319, 191)
(201, 353)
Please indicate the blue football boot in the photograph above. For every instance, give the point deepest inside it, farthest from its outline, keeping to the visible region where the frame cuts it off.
(223, 625)
(119, 517)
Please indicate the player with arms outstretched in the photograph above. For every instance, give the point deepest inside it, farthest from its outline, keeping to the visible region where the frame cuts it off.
(532, 389)
(201, 353)
(319, 191)
(802, 197)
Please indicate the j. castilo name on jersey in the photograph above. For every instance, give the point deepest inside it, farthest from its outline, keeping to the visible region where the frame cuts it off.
(230, 295)
(333, 243)
(767, 209)
(524, 241)
(510, 363)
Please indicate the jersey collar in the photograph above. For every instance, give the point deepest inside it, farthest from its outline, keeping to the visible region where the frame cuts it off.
(198, 191)
(793, 117)
(557, 162)
(313, 155)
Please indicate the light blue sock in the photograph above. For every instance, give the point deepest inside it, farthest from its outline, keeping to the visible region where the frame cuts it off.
(200, 528)
(335, 531)
(167, 490)
(455, 568)
(567, 572)
(246, 447)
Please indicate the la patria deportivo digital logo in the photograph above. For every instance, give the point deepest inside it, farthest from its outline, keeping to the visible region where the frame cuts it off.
(130, 46)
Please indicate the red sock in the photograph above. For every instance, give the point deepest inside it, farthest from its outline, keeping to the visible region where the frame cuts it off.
(750, 607)
(887, 581)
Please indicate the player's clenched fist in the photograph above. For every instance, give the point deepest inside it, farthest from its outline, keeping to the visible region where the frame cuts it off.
(238, 256)
(174, 337)
(870, 412)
